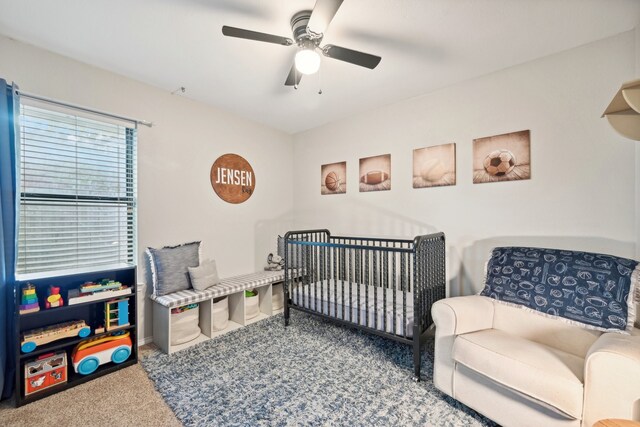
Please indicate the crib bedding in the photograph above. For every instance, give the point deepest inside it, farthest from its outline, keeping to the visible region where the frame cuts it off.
(328, 295)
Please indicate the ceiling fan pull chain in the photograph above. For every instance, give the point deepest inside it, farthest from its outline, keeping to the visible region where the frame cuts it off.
(295, 76)
(319, 82)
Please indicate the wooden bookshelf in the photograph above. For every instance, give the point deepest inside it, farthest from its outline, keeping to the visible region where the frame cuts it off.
(93, 313)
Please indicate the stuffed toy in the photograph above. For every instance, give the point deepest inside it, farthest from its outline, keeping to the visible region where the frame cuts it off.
(274, 262)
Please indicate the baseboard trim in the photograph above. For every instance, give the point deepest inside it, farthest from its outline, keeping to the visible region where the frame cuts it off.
(145, 340)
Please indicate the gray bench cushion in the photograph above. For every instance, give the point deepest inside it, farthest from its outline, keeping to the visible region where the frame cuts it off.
(225, 287)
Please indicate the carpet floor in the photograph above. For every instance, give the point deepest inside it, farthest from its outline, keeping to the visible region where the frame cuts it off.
(123, 398)
(312, 373)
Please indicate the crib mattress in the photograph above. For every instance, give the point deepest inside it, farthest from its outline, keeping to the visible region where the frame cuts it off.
(327, 295)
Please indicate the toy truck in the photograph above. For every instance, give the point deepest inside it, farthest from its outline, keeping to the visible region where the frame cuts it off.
(90, 354)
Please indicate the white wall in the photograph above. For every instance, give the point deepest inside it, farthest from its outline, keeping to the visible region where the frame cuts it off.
(175, 199)
(581, 194)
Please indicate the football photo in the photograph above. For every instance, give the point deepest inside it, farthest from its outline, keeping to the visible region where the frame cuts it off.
(375, 173)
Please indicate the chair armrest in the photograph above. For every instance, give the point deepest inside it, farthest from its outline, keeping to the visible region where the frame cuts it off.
(452, 317)
(612, 378)
(460, 315)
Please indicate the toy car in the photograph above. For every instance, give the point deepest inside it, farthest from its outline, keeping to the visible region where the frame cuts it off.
(90, 354)
(35, 337)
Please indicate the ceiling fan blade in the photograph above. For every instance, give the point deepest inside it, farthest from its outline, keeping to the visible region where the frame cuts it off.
(351, 56)
(254, 35)
(322, 14)
(293, 79)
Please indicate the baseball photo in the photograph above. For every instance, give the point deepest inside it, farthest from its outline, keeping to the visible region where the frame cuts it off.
(434, 166)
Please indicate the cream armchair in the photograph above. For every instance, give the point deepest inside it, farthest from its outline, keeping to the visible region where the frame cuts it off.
(522, 369)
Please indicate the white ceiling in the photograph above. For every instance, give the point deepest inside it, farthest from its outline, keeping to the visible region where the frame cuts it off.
(424, 44)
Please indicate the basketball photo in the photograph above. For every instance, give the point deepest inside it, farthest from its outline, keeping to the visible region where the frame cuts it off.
(333, 178)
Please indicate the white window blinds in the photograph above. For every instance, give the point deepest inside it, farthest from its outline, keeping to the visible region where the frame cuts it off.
(77, 192)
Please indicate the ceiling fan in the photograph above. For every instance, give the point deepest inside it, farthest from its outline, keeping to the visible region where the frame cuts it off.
(308, 28)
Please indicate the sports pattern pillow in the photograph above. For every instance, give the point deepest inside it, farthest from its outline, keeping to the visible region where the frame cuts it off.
(595, 291)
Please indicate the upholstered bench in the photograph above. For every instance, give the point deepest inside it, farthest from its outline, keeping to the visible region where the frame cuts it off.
(233, 287)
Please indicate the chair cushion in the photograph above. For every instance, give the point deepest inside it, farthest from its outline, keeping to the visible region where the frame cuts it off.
(543, 374)
(544, 330)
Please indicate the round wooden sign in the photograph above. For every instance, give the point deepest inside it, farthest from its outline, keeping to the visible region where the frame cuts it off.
(232, 178)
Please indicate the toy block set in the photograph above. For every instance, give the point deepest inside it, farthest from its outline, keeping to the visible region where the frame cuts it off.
(91, 291)
(29, 300)
(54, 299)
(44, 372)
(101, 286)
(116, 314)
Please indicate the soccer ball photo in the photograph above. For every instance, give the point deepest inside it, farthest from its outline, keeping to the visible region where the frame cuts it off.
(505, 157)
(499, 162)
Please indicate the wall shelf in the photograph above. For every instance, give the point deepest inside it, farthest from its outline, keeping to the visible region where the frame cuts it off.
(623, 113)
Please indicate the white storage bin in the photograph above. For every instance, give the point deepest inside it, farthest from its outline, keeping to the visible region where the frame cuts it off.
(252, 306)
(220, 314)
(184, 326)
(277, 296)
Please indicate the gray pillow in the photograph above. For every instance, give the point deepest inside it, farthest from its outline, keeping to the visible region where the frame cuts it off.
(169, 267)
(204, 276)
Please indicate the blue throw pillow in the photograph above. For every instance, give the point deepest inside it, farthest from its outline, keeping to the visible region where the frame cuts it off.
(592, 290)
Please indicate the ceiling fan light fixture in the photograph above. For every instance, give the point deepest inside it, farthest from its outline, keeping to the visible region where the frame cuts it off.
(307, 61)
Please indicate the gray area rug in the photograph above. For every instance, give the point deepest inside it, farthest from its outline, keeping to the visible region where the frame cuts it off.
(312, 373)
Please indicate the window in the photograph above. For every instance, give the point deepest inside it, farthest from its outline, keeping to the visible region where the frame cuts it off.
(77, 192)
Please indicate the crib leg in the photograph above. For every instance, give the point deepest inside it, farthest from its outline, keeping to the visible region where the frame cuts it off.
(286, 313)
(416, 359)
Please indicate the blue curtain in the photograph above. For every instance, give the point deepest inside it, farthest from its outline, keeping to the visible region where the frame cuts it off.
(8, 231)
